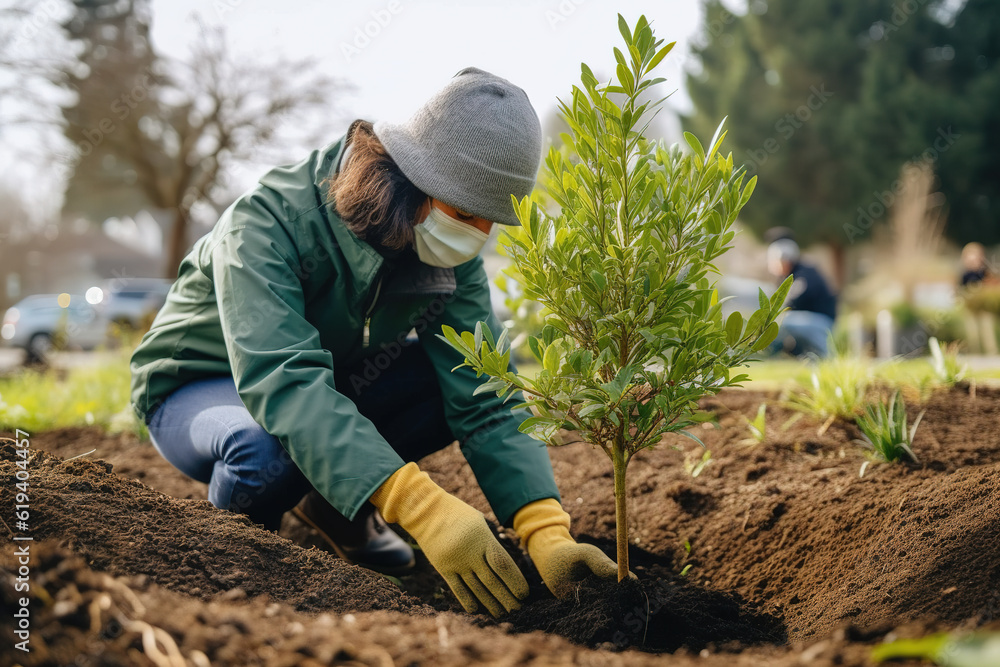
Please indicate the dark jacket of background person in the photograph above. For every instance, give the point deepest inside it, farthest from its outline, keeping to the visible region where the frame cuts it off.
(973, 277)
(811, 292)
(279, 294)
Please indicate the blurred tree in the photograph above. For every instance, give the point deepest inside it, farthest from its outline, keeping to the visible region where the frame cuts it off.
(27, 55)
(161, 134)
(112, 82)
(827, 100)
(970, 174)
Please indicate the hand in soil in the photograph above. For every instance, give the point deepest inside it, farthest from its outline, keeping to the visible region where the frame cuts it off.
(568, 563)
(544, 526)
(456, 540)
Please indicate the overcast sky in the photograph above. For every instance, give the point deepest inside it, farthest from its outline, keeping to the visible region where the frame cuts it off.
(397, 53)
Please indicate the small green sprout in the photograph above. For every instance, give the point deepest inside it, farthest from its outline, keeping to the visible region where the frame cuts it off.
(696, 467)
(757, 426)
(948, 370)
(885, 432)
(976, 650)
(838, 388)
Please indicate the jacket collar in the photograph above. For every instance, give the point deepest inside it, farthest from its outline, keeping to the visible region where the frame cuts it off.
(363, 259)
(414, 277)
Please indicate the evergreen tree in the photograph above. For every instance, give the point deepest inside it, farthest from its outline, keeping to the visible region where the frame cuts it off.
(970, 172)
(828, 100)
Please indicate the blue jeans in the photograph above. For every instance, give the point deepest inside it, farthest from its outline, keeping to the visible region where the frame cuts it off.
(204, 430)
(803, 332)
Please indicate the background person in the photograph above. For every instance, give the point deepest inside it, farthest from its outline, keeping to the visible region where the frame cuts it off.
(256, 376)
(806, 327)
(975, 269)
(980, 327)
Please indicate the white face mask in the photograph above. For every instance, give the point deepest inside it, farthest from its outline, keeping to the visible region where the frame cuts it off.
(443, 241)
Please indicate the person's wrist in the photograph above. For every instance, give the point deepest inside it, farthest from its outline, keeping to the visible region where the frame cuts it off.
(542, 525)
(410, 498)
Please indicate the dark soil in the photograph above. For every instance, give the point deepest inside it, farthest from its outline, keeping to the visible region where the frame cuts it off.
(794, 558)
(656, 616)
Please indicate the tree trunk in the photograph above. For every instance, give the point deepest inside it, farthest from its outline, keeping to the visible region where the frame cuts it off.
(177, 246)
(621, 511)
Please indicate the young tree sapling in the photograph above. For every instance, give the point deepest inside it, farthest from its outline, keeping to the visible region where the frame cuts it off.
(634, 333)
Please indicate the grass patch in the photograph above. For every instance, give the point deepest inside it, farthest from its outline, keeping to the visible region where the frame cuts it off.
(38, 400)
(884, 428)
(776, 374)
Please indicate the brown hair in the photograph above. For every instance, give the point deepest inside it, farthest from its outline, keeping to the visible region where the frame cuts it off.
(371, 194)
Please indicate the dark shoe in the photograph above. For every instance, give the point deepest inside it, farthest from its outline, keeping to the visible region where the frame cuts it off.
(367, 541)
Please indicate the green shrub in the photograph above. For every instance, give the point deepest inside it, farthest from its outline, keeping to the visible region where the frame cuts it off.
(982, 298)
(633, 334)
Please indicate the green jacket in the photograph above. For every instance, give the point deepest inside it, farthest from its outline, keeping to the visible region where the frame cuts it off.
(279, 293)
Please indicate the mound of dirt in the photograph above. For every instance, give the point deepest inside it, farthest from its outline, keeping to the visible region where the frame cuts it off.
(126, 528)
(784, 541)
(82, 617)
(788, 524)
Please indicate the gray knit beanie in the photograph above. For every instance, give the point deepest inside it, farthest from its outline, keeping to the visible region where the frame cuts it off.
(473, 145)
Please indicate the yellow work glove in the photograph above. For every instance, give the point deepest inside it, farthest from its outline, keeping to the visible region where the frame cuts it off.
(455, 538)
(543, 527)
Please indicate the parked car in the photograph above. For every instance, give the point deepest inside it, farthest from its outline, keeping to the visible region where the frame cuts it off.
(132, 303)
(42, 322)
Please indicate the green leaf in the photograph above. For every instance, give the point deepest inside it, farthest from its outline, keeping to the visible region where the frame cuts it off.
(734, 328)
(660, 55)
(469, 340)
(599, 279)
(494, 384)
(689, 434)
(535, 348)
(756, 321)
(713, 145)
(595, 410)
(478, 336)
(550, 360)
(625, 77)
(923, 647)
(747, 192)
(502, 344)
(766, 338)
(778, 298)
(624, 29)
(616, 387)
(695, 145)
(528, 425)
(702, 416)
(456, 341)
(640, 25)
